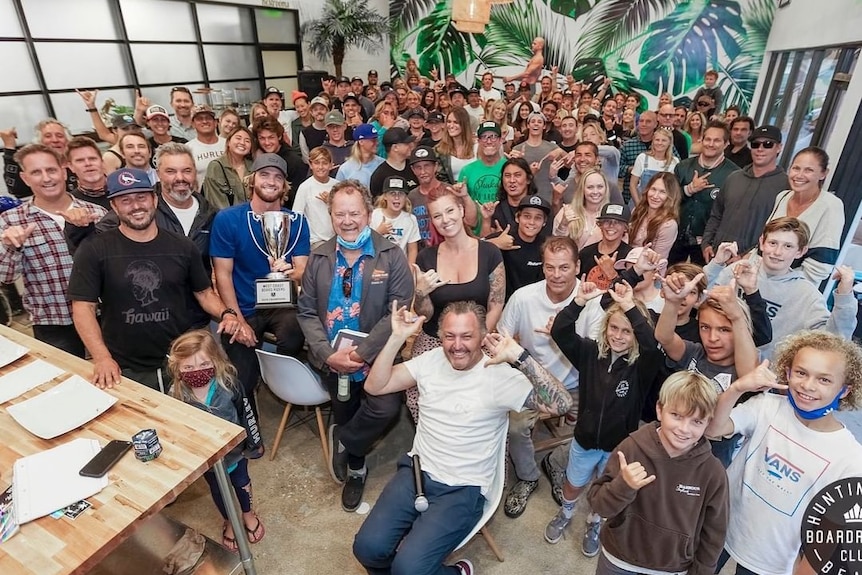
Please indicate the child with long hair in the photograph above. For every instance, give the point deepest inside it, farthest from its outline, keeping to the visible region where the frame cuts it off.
(659, 158)
(616, 370)
(393, 218)
(204, 377)
(654, 220)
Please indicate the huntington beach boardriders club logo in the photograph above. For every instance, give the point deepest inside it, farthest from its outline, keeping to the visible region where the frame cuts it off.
(832, 528)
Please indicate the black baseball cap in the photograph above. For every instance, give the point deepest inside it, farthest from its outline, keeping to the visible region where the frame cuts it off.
(767, 132)
(272, 90)
(422, 154)
(350, 96)
(269, 161)
(415, 112)
(372, 72)
(615, 212)
(435, 118)
(535, 202)
(397, 135)
(355, 78)
(457, 90)
(343, 80)
(395, 184)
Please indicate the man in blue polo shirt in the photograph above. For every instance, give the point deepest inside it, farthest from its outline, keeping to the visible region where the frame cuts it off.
(240, 258)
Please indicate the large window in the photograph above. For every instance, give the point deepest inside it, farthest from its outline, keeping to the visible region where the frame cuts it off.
(225, 54)
(803, 92)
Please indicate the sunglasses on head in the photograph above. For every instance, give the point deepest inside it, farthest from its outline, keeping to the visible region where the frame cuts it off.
(768, 144)
(347, 282)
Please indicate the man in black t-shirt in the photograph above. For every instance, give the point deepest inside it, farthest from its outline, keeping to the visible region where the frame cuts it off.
(398, 144)
(141, 275)
(524, 262)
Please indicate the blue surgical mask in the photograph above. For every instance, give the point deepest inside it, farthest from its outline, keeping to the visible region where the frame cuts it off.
(359, 243)
(819, 412)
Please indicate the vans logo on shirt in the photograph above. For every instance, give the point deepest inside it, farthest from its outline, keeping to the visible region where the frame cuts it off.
(781, 468)
(771, 308)
(690, 490)
(622, 388)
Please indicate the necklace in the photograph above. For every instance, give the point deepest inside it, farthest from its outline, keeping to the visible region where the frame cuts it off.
(719, 160)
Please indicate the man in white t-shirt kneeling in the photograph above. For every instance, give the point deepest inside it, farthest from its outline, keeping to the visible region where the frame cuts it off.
(464, 402)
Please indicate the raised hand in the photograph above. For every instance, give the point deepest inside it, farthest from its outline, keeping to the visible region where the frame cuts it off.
(726, 251)
(587, 291)
(385, 228)
(426, 282)
(606, 264)
(557, 191)
(504, 241)
(546, 329)
(141, 102)
(9, 137)
(677, 286)
(569, 214)
(15, 236)
(534, 167)
(555, 166)
(726, 297)
(745, 273)
(761, 379)
(501, 348)
(404, 322)
(323, 197)
(634, 473)
(79, 217)
(459, 189)
(699, 183)
(89, 97)
(648, 260)
(623, 294)
(845, 276)
(487, 210)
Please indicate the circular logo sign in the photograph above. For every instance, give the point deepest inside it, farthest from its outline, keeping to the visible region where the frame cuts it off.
(127, 179)
(832, 528)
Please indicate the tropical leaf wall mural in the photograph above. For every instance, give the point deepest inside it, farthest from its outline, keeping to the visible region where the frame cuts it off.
(648, 46)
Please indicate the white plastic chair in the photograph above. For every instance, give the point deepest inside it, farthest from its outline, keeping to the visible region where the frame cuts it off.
(297, 384)
(492, 502)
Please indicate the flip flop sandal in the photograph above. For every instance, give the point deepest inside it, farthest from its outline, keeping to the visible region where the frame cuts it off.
(252, 537)
(228, 543)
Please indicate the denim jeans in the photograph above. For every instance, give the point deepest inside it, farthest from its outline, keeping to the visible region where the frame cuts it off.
(521, 448)
(425, 539)
(239, 479)
(723, 449)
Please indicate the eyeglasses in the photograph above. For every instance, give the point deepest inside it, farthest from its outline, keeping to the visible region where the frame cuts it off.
(768, 144)
(489, 138)
(703, 104)
(347, 282)
(180, 89)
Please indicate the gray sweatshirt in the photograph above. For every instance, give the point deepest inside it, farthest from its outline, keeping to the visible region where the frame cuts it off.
(793, 304)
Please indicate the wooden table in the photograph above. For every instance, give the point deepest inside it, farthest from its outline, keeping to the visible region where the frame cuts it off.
(192, 441)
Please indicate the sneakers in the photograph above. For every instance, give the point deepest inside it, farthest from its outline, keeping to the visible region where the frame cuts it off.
(555, 477)
(516, 500)
(590, 546)
(465, 567)
(351, 493)
(337, 456)
(555, 529)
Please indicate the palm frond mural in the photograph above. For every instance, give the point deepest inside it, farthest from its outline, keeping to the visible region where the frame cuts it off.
(648, 46)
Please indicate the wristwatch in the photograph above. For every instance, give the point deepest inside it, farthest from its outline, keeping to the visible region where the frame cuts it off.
(227, 311)
(521, 359)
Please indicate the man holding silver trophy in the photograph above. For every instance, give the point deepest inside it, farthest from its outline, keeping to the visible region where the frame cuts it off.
(259, 250)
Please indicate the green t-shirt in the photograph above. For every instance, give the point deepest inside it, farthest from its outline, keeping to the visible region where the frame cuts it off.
(483, 181)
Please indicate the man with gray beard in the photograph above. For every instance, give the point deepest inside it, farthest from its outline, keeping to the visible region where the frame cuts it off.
(144, 275)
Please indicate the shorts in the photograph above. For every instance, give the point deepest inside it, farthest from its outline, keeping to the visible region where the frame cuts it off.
(584, 464)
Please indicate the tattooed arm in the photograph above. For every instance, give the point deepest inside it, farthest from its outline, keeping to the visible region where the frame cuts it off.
(496, 297)
(548, 395)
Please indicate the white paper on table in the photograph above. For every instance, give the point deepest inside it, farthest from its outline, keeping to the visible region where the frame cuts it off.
(10, 351)
(26, 378)
(45, 482)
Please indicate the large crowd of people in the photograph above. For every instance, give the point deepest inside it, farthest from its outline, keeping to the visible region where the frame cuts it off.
(496, 253)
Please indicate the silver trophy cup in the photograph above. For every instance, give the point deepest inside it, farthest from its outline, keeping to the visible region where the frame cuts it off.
(276, 232)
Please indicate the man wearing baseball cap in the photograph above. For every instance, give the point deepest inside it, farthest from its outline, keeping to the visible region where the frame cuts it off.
(159, 123)
(208, 145)
(482, 175)
(474, 107)
(416, 119)
(353, 112)
(435, 124)
(142, 279)
(356, 86)
(746, 199)
(121, 124)
(372, 77)
(398, 144)
(240, 258)
(314, 134)
(524, 264)
(338, 146)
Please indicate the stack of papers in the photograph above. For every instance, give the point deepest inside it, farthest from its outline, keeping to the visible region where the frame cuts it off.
(26, 378)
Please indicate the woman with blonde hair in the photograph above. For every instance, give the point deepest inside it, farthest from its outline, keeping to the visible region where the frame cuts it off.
(499, 112)
(383, 119)
(577, 219)
(363, 158)
(694, 126)
(655, 220)
(609, 156)
(659, 158)
(458, 146)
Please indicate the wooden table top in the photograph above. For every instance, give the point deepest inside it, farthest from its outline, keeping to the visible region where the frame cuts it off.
(192, 441)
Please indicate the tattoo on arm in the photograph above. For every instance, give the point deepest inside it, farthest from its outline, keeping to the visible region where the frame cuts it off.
(498, 285)
(548, 393)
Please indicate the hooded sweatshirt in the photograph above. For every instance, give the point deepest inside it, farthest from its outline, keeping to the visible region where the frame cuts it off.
(676, 523)
(742, 207)
(792, 304)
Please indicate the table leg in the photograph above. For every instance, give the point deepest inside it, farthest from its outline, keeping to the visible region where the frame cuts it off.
(233, 514)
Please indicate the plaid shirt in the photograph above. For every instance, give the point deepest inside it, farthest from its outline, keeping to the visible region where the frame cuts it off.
(628, 154)
(44, 261)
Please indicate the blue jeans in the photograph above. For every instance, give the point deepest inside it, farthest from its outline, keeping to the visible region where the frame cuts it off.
(425, 539)
(740, 570)
(723, 449)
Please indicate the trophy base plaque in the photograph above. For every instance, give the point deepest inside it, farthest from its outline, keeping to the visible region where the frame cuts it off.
(275, 293)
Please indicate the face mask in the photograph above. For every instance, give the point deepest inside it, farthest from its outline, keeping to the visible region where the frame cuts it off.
(197, 377)
(364, 236)
(819, 412)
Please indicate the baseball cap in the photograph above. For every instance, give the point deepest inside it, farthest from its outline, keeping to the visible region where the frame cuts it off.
(767, 132)
(128, 181)
(415, 112)
(365, 132)
(333, 118)
(535, 202)
(202, 109)
(396, 135)
(507, 84)
(272, 90)
(473, 91)
(488, 126)
(355, 79)
(296, 95)
(435, 118)
(372, 72)
(632, 258)
(615, 212)
(123, 120)
(319, 100)
(536, 115)
(422, 154)
(343, 80)
(394, 184)
(350, 96)
(457, 90)
(269, 161)
(156, 110)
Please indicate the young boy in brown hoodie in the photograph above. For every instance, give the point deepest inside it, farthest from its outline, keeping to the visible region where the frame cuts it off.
(664, 493)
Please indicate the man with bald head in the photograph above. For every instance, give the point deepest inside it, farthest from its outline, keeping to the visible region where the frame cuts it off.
(666, 116)
(533, 70)
(632, 148)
